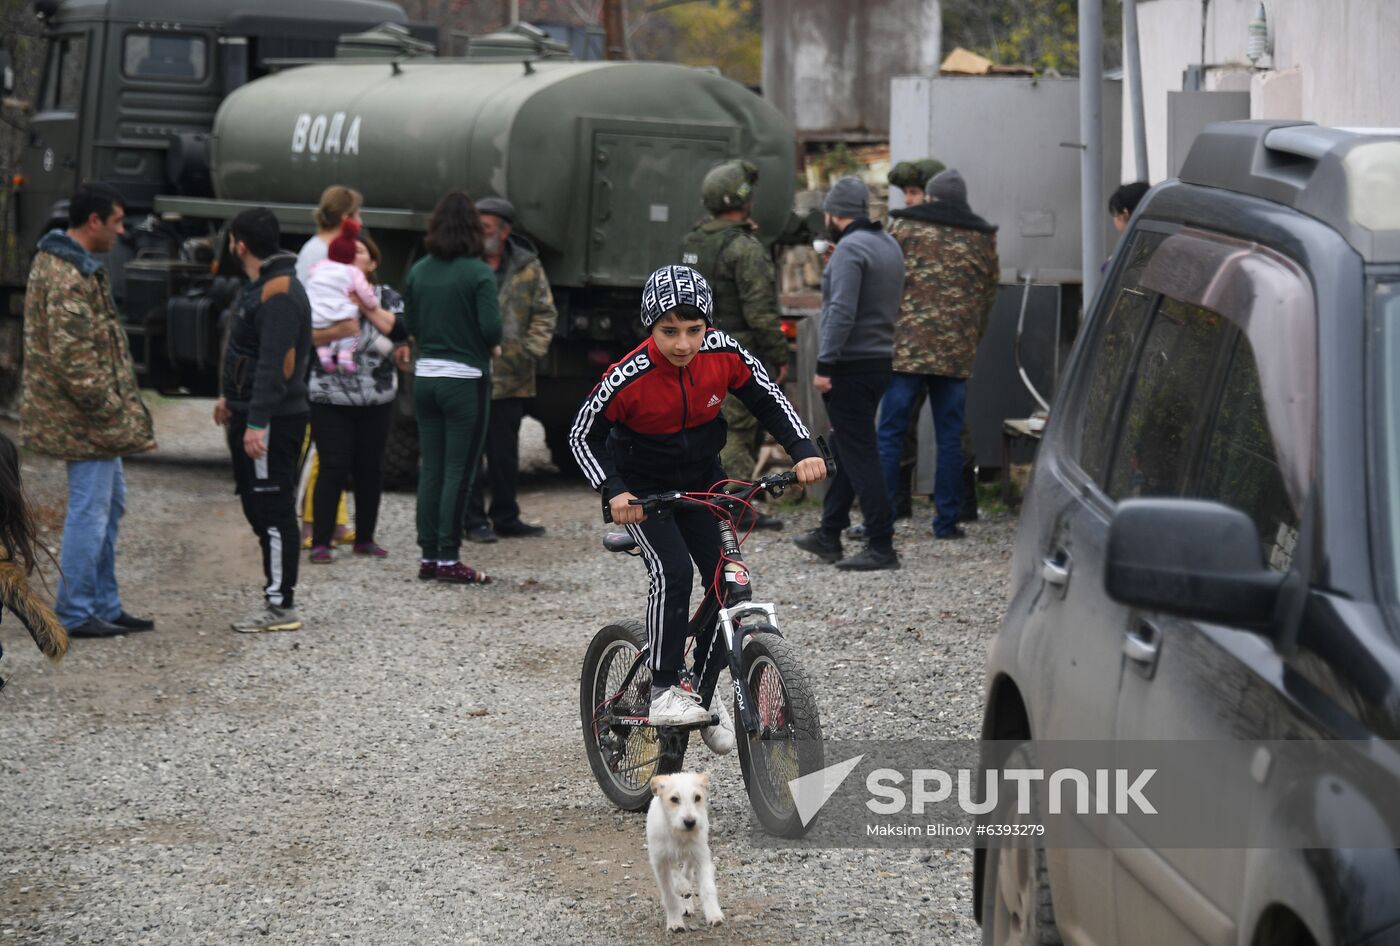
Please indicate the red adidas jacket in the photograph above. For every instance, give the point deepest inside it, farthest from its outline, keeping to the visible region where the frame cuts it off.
(654, 421)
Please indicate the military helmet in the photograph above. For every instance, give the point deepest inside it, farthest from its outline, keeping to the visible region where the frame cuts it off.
(672, 286)
(914, 173)
(729, 186)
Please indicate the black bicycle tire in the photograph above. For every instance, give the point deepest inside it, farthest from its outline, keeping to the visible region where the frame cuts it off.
(806, 725)
(633, 633)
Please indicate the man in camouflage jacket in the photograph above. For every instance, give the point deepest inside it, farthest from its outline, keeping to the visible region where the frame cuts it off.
(951, 275)
(81, 404)
(728, 253)
(528, 318)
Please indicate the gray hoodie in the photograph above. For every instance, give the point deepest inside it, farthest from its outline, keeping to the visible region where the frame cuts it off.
(862, 286)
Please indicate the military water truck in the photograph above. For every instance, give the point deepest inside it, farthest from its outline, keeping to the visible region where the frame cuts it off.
(603, 162)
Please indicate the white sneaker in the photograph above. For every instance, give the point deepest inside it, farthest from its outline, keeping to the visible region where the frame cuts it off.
(720, 737)
(677, 707)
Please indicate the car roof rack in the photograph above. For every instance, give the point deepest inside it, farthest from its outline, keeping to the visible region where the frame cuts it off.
(1348, 178)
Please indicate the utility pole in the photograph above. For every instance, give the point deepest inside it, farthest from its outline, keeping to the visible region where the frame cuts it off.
(1091, 209)
(615, 29)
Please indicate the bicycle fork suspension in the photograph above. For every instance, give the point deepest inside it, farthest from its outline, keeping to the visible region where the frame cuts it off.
(736, 592)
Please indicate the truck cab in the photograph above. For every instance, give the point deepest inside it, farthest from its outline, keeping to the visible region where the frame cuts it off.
(128, 94)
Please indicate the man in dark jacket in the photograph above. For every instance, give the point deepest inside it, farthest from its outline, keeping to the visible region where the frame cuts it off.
(264, 406)
(949, 290)
(861, 288)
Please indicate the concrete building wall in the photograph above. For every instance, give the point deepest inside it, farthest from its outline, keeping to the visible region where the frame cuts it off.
(827, 64)
(1335, 62)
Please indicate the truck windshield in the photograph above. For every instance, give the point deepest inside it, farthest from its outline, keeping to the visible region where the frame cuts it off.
(1387, 319)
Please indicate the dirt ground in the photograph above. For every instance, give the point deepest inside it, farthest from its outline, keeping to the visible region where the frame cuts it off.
(409, 768)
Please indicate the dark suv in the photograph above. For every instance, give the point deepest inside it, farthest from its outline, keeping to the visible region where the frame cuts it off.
(1209, 548)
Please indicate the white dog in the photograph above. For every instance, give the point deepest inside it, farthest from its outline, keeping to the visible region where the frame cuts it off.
(678, 841)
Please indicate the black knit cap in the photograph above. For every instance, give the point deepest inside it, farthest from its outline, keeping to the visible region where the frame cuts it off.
(497, 207)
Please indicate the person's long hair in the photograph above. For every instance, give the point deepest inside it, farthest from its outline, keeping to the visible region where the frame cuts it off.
(18, 539)
(372, 249)
(454, 228)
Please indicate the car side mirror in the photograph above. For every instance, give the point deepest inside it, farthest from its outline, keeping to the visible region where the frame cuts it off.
(1190, 558)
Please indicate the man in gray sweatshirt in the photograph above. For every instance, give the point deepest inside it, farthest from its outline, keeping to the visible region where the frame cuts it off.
(862, 286)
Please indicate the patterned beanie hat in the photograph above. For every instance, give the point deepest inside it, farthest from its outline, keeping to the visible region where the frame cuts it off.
(672, 286)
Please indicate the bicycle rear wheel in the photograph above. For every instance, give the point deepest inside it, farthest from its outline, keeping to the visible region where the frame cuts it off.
(623, 758)
(789, 742)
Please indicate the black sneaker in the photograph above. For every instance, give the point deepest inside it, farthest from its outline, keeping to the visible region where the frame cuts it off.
(955, 533)
(519, 530)
(765, 521)
(132, 623)
(482, 534)
(870, 560)
(825, 548)
(96, 627)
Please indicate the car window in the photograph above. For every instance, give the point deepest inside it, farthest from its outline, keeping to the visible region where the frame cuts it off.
(1171, 388)
(1241, 468)
(1110, 355)
(164, 56)
(63, 76)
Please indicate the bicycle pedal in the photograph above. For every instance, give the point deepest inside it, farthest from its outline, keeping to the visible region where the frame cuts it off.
(713, 721)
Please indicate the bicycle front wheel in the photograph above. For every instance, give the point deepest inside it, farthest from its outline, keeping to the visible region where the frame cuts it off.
(788, 744)
(623, 758)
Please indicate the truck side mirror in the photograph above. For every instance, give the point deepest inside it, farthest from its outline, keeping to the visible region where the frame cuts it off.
(1191, 558)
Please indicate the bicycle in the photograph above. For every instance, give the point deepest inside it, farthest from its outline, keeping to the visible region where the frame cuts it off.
(778, 727)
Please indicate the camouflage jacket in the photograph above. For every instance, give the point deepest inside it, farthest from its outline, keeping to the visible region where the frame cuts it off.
(732, 259)
(950, 284)
(528, 318)
(80, 398)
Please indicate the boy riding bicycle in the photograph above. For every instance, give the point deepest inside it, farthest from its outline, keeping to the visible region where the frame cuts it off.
(652, 425)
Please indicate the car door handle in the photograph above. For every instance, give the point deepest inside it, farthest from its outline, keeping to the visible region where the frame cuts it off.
(1142, 646)
(1055, 570)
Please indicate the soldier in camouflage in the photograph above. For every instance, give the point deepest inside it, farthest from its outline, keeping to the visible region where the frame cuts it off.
(81, 404)
(528, 318)
(727, 252)
(951, 275)
(911, 176)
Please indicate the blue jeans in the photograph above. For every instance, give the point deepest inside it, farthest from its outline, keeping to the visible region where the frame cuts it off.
(96, 499)
(947, 399)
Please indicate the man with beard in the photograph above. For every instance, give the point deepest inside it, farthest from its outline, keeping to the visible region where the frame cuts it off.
(528, 317)
(950, 285)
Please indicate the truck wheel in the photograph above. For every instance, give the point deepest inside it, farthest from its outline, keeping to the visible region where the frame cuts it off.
(401, 454)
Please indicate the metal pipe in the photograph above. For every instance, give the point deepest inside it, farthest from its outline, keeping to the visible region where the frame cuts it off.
(1091, 208)
(1132, 64)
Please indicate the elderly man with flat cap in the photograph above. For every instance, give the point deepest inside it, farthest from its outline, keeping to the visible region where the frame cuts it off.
(527, 324)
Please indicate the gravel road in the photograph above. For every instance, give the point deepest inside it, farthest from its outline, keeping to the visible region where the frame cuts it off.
(408, 769)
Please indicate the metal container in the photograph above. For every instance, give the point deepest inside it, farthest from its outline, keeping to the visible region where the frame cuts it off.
(603, 161)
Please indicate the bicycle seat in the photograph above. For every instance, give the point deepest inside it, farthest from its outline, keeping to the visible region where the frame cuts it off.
(619, 542)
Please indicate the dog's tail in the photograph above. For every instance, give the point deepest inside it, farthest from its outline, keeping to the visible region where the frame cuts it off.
(37, 617)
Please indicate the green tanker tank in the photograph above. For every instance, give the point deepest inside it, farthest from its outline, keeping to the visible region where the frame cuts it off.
(603, 162)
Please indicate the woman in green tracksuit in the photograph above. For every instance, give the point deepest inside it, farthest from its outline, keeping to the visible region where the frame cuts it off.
(451, 310)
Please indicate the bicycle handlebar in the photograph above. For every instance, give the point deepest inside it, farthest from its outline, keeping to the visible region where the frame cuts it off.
(774, 483)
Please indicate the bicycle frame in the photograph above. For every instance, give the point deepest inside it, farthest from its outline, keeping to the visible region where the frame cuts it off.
(727, 606)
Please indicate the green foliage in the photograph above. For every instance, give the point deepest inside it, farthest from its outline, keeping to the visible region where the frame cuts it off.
(1039, 33)
(727, 34)
(836, 161)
